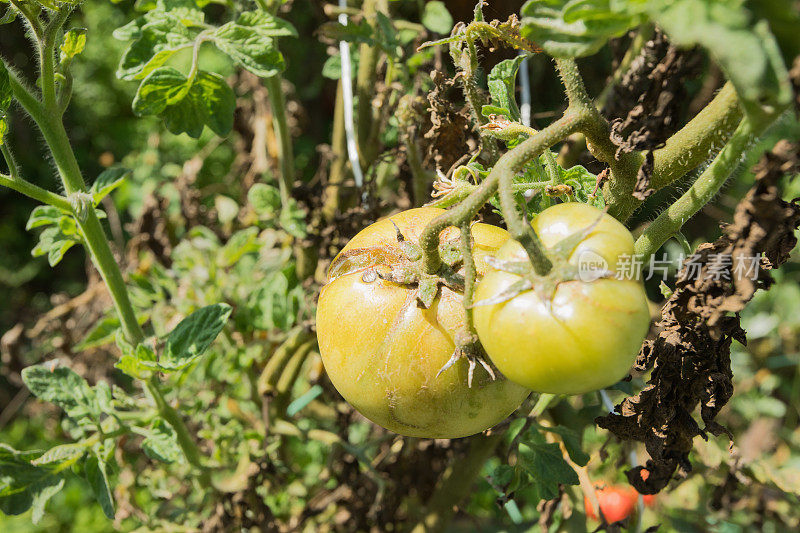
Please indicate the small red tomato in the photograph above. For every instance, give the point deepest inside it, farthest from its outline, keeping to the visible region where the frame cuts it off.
(617, 502)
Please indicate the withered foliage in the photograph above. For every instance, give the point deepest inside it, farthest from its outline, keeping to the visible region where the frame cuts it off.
(451, 129)
(645, 107)
(690, 357)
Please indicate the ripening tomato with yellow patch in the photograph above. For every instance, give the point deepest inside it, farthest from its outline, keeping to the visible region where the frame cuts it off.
(387, 354)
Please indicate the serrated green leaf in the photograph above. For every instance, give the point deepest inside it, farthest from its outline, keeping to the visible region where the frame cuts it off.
(107, 181)
(157, 36)
(61, 457)
(546, 467)
(572, 442)
(187, 105)
(63, 387)
(24, 486)
(54, 244)
(73, 44)
(746, 51)
(193, 335)
(102, 333)
(576, 28)
(437, 18)
(44, 215)
(161, 443)
(95, 472)
(502, 86)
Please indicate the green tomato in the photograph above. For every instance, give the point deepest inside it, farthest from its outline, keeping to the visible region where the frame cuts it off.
(584, 332)
(384, 353)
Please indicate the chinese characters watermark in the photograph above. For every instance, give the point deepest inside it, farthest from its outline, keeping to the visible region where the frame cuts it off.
(718, 267)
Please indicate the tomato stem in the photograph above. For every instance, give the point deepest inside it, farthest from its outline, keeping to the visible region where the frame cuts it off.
(283, 138)
(670, 221)
(508, 165)
(18, 183)
(47, 115)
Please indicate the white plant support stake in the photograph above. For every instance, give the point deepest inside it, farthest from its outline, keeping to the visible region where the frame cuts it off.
(347, 101)
(525, 90)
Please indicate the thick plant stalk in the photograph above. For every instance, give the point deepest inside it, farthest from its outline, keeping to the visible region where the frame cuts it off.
(48, 119)
(683, 151)
(670, 221)
(705, 133)
(338, 169)
(365, 85)
(456, 483)
(284, 139)
(598, 139)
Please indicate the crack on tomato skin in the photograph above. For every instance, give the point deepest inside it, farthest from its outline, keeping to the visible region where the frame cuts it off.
(690, 357)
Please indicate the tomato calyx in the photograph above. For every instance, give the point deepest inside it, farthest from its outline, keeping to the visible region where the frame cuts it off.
(469, 347)
(545, 285)
(402, 264)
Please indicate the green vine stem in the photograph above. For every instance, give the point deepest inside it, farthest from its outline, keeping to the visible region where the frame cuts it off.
(509, 164)
(670, 221)
(16, 182)
(470, 274)
(683, 151)
(456, 483)
(519, 227)
(284, 139)
(457, 480)
(49, 120)
(624, 167)
(366, 79)
(705, 133)
(332, 195)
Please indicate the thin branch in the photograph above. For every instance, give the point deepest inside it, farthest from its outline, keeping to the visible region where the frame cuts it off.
(509, 164)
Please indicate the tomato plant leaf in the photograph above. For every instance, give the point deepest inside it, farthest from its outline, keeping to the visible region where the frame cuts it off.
(62, 456)
(546, 467)
(240, 243)
(502, 88)
(250, 41)
(353, 32)
(746, 51)
(437, 18)
(265, 199)
(54, 244)
(161, 443)
(193, 335)
(63, 387)
(107, 181)
(44, 215)
(584, 185)
(158, 35)
(95, 472)
(572, 442)
(73, 44)
(23, 485)
(187, 105)
(575, 28)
